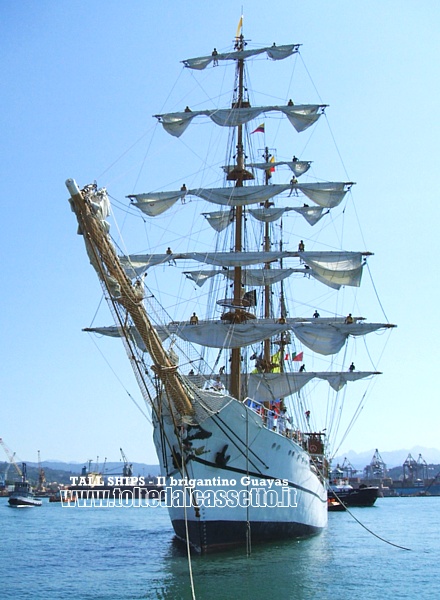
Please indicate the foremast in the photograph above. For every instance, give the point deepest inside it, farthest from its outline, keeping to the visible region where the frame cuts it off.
(105, 260)
(239, 102)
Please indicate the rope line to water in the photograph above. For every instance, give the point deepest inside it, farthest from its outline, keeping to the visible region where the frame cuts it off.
(367, 529)
(188, 549)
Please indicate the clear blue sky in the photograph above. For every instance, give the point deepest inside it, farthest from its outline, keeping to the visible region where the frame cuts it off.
(80, 81)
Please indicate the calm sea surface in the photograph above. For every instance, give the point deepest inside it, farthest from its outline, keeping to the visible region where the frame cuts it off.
(54, 552)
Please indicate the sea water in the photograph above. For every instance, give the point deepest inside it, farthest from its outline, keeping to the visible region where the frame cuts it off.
(54, 552)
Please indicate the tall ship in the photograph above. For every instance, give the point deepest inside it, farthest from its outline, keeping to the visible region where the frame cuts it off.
(221, 357)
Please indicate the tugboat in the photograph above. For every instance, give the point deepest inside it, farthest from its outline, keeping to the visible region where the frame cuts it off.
(22, 496)
(346, 494)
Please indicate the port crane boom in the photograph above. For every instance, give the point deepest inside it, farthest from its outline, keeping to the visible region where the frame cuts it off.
(10, 456)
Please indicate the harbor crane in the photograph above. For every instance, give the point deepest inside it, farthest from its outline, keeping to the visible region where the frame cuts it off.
(41, 487)
(128, 467)
(10, 456)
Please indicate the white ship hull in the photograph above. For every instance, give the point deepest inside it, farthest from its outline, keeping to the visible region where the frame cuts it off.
(244, 480)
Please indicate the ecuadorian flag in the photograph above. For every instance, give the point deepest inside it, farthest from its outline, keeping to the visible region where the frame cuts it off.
(259, 129)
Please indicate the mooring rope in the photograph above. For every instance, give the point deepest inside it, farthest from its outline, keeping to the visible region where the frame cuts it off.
(366, 528)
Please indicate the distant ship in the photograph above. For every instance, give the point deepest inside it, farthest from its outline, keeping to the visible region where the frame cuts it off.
(346, 494)
(23, 496)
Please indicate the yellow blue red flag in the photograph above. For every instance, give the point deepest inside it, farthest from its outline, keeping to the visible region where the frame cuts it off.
(259, 129)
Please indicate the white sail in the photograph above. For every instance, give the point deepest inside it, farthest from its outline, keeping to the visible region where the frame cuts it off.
(270, 214)
(299, 167)
(338, 380)
(219, 220)
(240, 196)
(250, 277)
(266, 387)
(323, 336)
(312, 214)
(340, 268)
(327, 195)
(137, 264)
(155, 203)
(217, 334)
(274, 52)
(263, 277)
(116, 332)
(329, 338)
(332, 268)
(300, 116)
(201, 277)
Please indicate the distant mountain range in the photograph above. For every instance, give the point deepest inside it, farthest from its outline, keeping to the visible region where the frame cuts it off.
(359, 460)
(111, 468)
(394, 458)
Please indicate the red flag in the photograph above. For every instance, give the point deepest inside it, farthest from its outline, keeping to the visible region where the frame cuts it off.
(298, 356)
(259, 129)
(272, 160)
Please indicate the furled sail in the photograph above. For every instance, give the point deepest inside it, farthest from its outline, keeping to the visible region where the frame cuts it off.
(323, 336)
(217, 334)
(264, 277)
(332, 268)
(326, 195)
(299, 167)
(250, 277)
(300, 116)
(116, 332)
(239, 196)
(137, 264)
(274, 52)
(312, 214)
